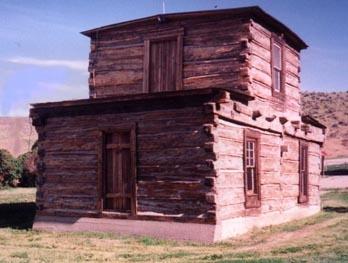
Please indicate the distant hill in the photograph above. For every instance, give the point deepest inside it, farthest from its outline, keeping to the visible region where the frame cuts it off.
(17, 135)
(330, 108)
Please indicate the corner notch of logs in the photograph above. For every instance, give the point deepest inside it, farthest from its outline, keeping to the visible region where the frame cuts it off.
(256, 114)
(306, 128)
(283, 120)
(271, 118)
(295, 124)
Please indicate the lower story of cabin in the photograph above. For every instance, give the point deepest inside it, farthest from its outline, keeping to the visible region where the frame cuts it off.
(173, 167)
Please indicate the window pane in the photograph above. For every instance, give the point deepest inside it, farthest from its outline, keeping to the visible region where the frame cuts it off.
(277, 56)
(251, 183)
(250, 153)
(249, 179)
(254, 182)
(276, 80)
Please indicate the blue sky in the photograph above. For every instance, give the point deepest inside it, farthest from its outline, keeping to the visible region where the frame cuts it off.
(44, 58)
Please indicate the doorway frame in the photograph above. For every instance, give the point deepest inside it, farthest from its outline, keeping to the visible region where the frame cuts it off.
(101, 166)
(303, 196)
(161, 35)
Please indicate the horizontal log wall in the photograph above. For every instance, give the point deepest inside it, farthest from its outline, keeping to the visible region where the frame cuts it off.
(237, 57)
(260, 73)
(290, 168)
(173, 172)
(211, 57)
(279, 175)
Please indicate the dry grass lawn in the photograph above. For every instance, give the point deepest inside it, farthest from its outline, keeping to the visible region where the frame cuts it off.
(321, 238)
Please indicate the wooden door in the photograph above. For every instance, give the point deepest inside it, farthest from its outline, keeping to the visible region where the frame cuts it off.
(163, 62)
(118, 181)
(163, 65)
(303, 172)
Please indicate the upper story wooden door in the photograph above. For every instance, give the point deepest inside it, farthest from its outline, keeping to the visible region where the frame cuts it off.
(163, 63)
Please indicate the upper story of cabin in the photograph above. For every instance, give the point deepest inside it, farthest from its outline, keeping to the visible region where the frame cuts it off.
(242, 49)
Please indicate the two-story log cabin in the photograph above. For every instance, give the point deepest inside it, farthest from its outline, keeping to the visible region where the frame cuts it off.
(193, 131)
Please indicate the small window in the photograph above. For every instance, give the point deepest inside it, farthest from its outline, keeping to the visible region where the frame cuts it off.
(251, 169)
(277, 67)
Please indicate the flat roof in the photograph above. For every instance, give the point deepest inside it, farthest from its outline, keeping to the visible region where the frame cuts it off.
(254, 12)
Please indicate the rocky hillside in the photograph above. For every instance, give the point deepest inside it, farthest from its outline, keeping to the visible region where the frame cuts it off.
(16, 134)
(332, 110)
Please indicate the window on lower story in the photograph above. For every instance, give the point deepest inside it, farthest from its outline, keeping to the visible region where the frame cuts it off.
(251, 169)
(303, 173)
(277, 67)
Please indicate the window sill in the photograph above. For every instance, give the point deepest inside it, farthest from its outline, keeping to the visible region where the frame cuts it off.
(252, 201)
(278, 95)
(303, 200)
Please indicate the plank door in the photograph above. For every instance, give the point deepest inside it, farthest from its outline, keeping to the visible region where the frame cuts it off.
(303, 167)
(118, 183)
(163, 65)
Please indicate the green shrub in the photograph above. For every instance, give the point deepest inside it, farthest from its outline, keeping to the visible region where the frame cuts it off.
(27, 166)
(20, 171)
(9, 169)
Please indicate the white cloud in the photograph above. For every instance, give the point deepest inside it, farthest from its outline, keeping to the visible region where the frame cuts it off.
(80, 65)
(45, 92)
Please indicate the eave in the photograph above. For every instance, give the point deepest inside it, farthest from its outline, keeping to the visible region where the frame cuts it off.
(252, 12)
(310, 120)
(131, 103)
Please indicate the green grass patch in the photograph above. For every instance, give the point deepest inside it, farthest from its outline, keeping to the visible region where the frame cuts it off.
(339, 195)
(19, 255)
(295, 249)
(179, 254)
(324, 238)
(150, 241)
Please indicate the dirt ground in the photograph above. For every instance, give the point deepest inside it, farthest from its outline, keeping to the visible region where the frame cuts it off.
(330, 182)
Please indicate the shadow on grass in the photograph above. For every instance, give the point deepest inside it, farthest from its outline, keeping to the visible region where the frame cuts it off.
(337, 209)
(17, 215)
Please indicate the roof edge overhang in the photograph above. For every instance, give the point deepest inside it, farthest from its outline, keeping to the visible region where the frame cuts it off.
(183, 98)
(312, 121)
(254, 12)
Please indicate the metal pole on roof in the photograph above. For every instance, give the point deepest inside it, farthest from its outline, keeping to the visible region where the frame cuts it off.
(163, 7)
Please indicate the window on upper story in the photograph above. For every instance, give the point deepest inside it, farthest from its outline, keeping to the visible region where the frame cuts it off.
(277, 67)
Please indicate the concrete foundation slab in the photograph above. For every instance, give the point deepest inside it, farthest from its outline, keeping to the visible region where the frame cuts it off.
(205, 233)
